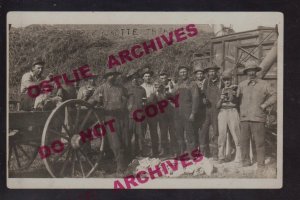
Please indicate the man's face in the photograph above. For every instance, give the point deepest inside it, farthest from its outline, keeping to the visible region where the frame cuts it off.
(251, 73)
(199, 75)
(227, 82)
(212, 73)
(183, 73)
(163, 79)
(37, 70)
(147, 78)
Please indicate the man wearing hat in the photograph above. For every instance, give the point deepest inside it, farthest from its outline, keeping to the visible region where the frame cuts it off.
(33, 77)
(228, 117)
(200, 115)
(166, 119)
(111, 96)
(136, 94)
(185, 113)
(151, 122)
(255, 96)
(212, 90)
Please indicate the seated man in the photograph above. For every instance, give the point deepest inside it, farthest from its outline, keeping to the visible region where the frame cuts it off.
(47, 100)
(87, 90)
(34, 76)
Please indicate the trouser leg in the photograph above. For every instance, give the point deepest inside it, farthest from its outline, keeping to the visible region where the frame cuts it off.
(163, 126)
(140, 139)
(126, 137)
(190, 135)
(173, 139)
(204, 135)
(258, 130)
(234, 127)
(115, 142)
(154, 135)
(179, 126)
(214, 134)
(196, 127)
(245, 141)
(222, 124)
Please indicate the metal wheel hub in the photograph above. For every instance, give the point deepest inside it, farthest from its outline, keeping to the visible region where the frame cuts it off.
(76, 141)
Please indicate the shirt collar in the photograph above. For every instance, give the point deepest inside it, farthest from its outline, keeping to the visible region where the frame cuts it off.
(147, 84)
(253, 82)
(214, 81)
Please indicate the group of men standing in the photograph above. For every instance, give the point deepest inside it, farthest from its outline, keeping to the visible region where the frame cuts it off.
(205, 100)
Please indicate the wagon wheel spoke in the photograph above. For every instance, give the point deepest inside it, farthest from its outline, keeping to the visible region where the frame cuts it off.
(17, 156)
(76, 120)
(85, 119)
(9, 155)
(67, 130)
(65, 163)
(23, 151)
(86, 157)
(58, 134)
(61, 155)
(73, 164)
(80, 163)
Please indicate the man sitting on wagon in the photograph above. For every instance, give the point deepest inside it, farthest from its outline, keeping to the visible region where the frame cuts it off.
(48, 100)
(32, 77)
(87, 90)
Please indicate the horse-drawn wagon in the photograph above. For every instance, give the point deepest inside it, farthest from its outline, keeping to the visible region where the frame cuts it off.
(30, 130)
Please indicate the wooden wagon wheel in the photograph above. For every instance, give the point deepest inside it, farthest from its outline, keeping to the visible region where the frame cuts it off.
(71, 156)
(22, 152)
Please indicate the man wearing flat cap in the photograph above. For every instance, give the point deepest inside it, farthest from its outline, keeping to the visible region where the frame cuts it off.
(185, 115)
(111, 96)
(212, 90)
(33, 77)
(255, 96)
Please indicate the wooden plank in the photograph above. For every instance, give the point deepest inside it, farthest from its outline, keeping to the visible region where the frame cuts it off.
(248, 53)
(235, 37)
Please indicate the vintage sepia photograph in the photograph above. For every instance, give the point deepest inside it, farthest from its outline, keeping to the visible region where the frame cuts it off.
(128, 100)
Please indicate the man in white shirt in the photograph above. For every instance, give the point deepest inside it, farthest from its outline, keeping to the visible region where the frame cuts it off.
(30, 78)
(152, 122)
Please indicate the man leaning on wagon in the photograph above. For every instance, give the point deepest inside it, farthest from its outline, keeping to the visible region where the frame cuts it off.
(112, 95)
(255, 95)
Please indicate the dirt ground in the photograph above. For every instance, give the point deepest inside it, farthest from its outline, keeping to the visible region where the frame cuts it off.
(107, 167)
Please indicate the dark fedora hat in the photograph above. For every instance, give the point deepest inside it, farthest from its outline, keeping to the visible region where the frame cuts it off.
(37, 61)
(251, 66)
(147, 70)
(213, 66)
(132, 72)
(109, 72)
